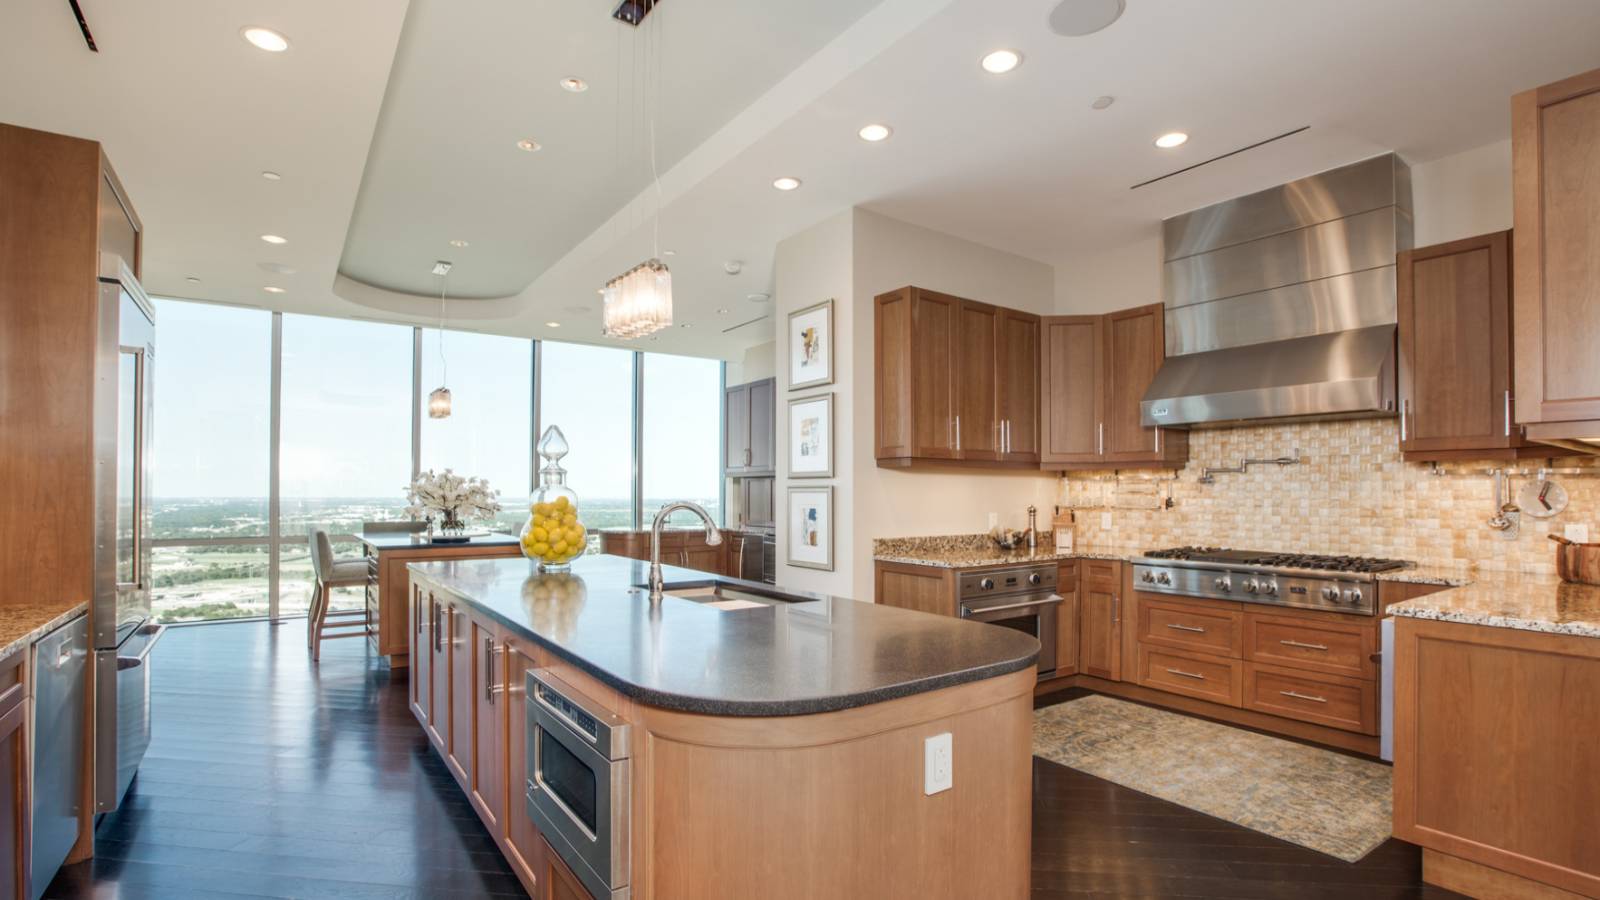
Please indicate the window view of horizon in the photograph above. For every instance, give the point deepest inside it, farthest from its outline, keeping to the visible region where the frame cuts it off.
(345, 441)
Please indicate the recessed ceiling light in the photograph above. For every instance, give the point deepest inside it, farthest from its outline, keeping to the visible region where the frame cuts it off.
(271, 175)
(458, 242)
(552, 324)
(528, 144)
(575, 85)
(1102, 102)
(273, 289)
(786, 183)
(1001, 61)
(874, 133)
(723, 311)
(265, 39)
(1171, 139)
(192, 280)
(1076, 18)
(669, 253)
(274, 239)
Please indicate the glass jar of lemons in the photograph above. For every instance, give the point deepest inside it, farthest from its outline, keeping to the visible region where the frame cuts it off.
(554, 535)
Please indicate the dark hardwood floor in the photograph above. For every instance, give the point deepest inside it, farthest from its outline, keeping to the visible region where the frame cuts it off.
(271, 777)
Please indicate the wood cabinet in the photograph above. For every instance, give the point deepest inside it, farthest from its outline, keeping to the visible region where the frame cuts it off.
(1456, 392)
(438, 725)
(955, 381)
(1100, 619)
(1495, 737)
(389, 582)
(420, 672)
(682, 547)
(459, 657)
(758, 503)
(16, 802)
(522, 844)
(1556, 210)
(750, 428)
(557, 881)
(930, 589)
(1067, 619)
(1094, 371)
(488, 777)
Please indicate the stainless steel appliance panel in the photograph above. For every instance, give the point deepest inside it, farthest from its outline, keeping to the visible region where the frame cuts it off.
(122, 720)
(1022, 598)
(1340, 303)
(578, 784)
(1359, 187)
(1328, 592)
(769, 559)
(59, 672)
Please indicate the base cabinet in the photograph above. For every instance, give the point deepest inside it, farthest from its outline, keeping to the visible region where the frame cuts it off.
(557, 882)
(1100, 619)
(15, 801)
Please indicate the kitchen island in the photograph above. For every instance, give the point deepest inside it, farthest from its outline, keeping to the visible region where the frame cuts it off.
(1497, 734)
(387, 554)
(728, 742)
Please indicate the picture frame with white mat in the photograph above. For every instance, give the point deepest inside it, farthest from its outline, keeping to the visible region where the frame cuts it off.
(811, 436)
(810, 521)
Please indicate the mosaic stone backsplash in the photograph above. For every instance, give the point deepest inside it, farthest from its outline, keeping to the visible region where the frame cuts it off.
(1350, 494)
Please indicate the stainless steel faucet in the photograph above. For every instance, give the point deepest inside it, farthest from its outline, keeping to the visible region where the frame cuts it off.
(713, 538)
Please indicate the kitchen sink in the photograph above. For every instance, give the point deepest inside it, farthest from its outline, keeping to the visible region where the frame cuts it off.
(726, 595)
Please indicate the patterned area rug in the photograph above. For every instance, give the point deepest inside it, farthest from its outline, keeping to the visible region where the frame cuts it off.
(1329, 802)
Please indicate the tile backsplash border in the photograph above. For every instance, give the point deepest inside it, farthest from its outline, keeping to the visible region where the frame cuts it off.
(1351, 493)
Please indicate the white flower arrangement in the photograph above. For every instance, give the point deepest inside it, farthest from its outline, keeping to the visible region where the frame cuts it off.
(454, 499)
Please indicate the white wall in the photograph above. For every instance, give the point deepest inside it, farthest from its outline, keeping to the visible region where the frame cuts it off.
(1462, 195)
(1108, 280)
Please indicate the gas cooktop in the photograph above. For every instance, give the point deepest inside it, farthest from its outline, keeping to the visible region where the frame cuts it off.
(1304, 580)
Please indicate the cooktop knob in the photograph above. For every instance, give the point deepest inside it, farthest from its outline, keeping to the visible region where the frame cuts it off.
(1330, 593)
(1223, 584)
(1352, 596)
(1147, 577)
(1164, 578)
(1034, 578)
(1269, 587)
(986, 583)
(1251, 585)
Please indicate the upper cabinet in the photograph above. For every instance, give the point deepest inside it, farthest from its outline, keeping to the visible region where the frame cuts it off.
(1456, 388)
(1094, 371)
(749, 428)
(955, 381)
(1556, 197)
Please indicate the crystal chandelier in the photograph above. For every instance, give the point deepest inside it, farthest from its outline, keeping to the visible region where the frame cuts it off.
(637, 302)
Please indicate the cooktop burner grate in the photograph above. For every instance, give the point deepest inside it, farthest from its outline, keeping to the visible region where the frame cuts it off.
(1313, 561)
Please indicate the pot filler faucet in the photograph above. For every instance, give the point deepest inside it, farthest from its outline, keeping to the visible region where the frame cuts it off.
(713, 538)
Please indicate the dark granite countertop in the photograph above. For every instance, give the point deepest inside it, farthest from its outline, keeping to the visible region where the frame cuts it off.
(383, 540)
(789, 659)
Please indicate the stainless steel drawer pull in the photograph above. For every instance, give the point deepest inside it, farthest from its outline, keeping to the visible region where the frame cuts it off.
(1299, 696)
(1194, 628)
(1303, 645)
(1195, 675)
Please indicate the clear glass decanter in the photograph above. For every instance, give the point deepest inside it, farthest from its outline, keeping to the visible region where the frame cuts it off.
(554, 535)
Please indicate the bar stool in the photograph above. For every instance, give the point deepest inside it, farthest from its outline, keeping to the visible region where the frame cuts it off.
(331, 573)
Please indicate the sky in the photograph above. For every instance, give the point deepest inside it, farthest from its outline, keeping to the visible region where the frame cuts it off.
(346, 409)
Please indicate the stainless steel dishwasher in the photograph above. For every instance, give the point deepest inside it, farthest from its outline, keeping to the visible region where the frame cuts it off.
(59, 670)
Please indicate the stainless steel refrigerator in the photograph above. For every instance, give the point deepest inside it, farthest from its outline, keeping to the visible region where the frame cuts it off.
(123, 631)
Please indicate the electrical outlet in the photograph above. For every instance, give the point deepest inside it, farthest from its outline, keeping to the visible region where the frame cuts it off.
(1577, 531)
(938, 769)
(1105, 521)
(994, 521)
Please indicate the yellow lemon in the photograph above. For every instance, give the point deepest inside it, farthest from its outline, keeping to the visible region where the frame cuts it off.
(569, 520)
(563, 502)
(541, 509)
(540, 548)
(539, 534)
(559, 547)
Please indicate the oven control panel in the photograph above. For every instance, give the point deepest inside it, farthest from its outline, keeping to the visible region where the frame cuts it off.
(1258, 586)
(1014, 580)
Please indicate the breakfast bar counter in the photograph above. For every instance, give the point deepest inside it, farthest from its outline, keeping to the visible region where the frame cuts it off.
(388, 553)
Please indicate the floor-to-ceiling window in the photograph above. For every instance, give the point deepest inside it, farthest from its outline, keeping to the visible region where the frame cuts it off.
(681, 414)
(588, 392)
(210, 476)
(489, 432)
(345, 453)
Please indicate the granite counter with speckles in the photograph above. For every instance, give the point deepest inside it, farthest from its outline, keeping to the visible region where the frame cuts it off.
(1528, 603)
(768, 659)
(22, 624)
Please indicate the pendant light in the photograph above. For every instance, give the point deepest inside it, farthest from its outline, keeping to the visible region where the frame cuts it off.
(439, 398)
(638, 302)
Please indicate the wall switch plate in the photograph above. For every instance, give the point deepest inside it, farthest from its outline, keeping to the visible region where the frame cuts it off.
(938, 772)
(1105, 521)
(994, 521)
(1577, 531)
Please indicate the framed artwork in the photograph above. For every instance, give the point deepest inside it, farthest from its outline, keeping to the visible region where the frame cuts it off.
(811, 346)
(811, 527)
(811, 437)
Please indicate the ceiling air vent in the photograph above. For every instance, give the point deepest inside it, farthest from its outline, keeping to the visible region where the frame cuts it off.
(1213, 159)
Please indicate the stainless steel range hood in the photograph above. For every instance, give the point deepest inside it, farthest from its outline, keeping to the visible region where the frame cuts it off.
(1281, 304)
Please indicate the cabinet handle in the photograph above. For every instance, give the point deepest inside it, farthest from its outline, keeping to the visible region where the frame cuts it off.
(1116, 610)
(488, 669)
(1195, 675)
(1508, 413)
(1194, 628)
(438, 625)
(958, 432)
(1405, 406)
(1100, 442)
(1158, 441)
(1303, 645)
(1299, 696)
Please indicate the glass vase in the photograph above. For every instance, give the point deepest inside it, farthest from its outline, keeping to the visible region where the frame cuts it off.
(554, 535)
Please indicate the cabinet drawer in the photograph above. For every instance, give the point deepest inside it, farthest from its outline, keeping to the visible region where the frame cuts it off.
(1191, 674)
(1318, 646)
(1331, 700)
(1186, 626)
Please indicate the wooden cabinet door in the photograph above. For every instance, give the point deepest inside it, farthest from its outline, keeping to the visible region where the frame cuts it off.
(15, 801)
(522, 839)
(1455, 346)
(439, 675)
(461, 698)
(976, 387)
(1100, 620)
(763, 425)
(935, 319)
(758, 500)
(559, 881)
(421, 651)
(736, 427)
(1067, 617)
(1069, 389)
(488, 773)
(1555, 175)
(1135, 344)
(1017, 353)
(698, 555)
